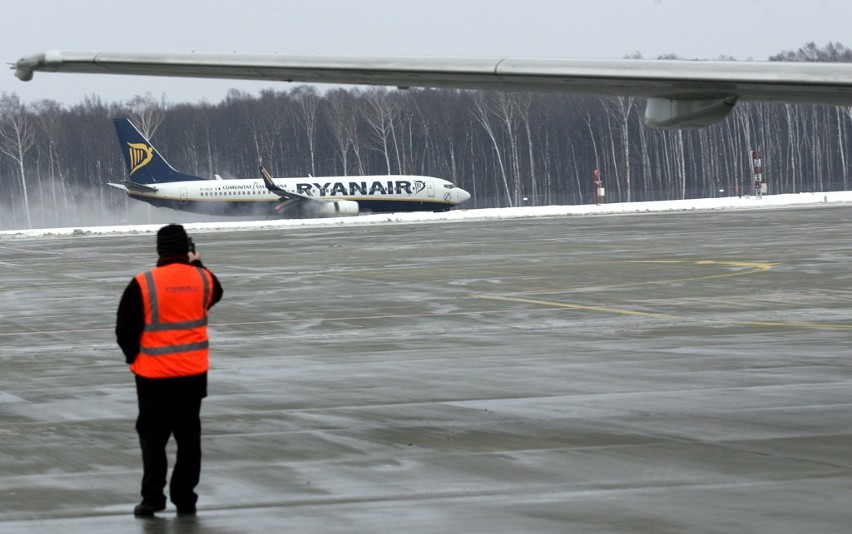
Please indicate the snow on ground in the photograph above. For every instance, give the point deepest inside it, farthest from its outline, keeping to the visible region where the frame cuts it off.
(721, 203)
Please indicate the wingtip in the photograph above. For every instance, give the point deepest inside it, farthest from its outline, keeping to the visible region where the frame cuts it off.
(25, 67)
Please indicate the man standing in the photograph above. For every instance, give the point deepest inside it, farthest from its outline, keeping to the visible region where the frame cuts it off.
(161, 327)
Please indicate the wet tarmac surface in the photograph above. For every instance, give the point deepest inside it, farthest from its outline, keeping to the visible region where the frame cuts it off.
(633, 373)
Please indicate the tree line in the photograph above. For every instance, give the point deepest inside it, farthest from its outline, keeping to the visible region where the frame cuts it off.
(506, 148)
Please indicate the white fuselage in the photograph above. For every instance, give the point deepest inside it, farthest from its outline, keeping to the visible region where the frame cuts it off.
(372, 193)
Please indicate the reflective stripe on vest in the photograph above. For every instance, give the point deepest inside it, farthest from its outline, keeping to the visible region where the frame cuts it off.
(174, 338)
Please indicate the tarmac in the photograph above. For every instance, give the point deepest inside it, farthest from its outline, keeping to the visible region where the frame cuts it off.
(652, 373)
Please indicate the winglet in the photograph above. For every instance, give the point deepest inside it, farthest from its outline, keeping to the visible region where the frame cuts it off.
(270, 185)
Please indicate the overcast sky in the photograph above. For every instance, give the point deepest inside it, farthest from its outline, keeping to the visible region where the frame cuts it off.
(705, 29)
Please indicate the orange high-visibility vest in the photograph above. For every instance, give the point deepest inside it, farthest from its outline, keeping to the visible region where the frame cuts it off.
(174, 340)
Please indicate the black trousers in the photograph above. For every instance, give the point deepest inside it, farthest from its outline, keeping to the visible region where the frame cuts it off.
(170, 407)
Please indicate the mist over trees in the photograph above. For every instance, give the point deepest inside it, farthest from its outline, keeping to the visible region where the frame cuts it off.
(506, 148)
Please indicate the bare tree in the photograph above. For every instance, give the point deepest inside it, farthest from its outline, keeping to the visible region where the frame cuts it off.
(48, 117)
(523, 102)
(597, 162)
(620, 108)
(340, 117)
(17, 137)
(832, 52)
(380, 114)
(147, 113)
(307, 102)
(481, 113)
(505, 108)
(843, 142)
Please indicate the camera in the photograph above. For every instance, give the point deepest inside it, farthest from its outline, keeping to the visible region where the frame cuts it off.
(191, 246)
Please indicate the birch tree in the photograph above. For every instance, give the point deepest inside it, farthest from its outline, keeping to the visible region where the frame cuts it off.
(16, 139)
(620, 108)
(147, 113)
(307, 102)
(481, 113)
(48, 116)
(340, 112)
(380, 113)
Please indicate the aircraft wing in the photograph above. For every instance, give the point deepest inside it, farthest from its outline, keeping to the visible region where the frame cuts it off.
(681, 93)
(301, 205)
(282, 193)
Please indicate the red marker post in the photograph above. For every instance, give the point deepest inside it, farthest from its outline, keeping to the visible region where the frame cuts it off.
(757, 169)
(599, 189)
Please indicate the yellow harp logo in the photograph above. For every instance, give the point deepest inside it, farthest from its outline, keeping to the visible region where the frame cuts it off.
(140, 155)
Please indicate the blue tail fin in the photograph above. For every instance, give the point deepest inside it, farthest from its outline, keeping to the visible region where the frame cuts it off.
(144, 164)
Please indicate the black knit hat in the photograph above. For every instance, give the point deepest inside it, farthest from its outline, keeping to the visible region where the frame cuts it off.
(172, 239)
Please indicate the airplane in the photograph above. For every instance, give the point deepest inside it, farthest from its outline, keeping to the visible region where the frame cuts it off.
(153, 180)
(681, 94)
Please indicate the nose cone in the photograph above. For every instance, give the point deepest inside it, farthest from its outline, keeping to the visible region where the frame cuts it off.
(461, 195)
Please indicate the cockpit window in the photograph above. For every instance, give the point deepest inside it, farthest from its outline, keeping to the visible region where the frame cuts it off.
(448, 186)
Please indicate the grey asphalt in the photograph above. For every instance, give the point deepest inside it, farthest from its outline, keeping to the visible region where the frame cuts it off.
(634, 373)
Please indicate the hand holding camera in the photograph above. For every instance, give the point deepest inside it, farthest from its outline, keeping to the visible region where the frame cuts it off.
(192, 255)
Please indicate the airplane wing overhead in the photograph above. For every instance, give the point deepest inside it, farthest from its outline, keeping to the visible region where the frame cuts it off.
(681, 93)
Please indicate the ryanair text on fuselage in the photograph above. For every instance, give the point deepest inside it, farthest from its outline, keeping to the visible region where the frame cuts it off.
(330, 189)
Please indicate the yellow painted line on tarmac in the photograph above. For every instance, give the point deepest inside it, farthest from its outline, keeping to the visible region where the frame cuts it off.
(751, 268)
(748, 267)
(680, 318)
(569, 305)
(816, 326)
(755, 266)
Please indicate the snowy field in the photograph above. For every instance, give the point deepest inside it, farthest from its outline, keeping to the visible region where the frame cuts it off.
(721, 203)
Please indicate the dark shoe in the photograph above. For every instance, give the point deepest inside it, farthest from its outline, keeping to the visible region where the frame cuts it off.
(186, 510)
(146, 509)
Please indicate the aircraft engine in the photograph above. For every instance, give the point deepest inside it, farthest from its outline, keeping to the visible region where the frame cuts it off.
(338, 208)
